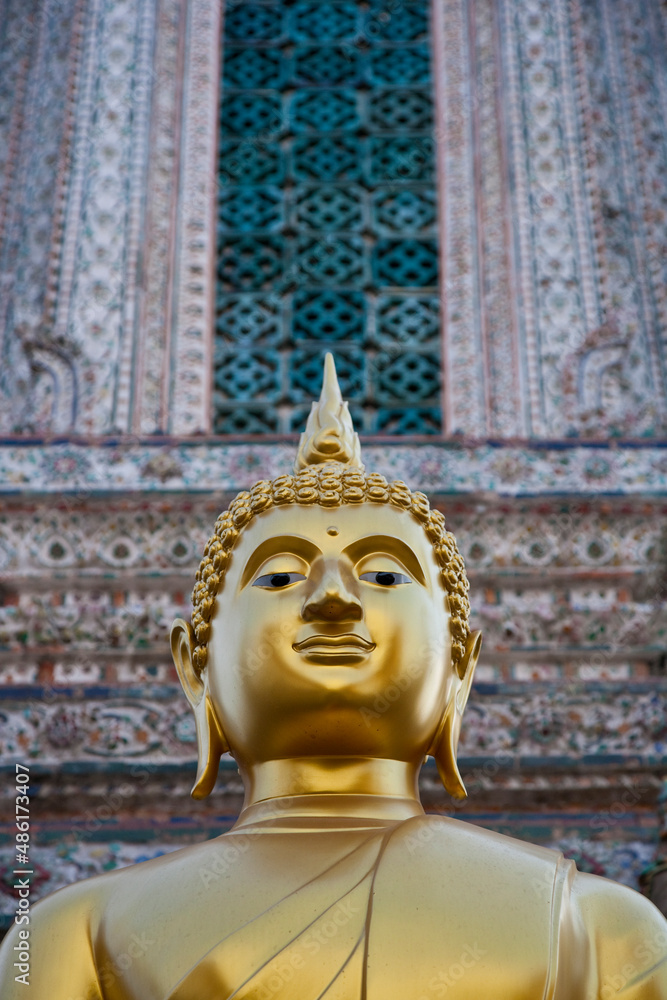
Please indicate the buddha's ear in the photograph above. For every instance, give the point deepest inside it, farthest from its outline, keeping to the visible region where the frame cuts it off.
(182, 638)
(446, 742)
(211, 742)
(465, 668)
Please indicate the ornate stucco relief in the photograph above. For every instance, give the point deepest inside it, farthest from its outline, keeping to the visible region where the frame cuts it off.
(41, 55)
(192, 320)
(151, 371)
(463, 371)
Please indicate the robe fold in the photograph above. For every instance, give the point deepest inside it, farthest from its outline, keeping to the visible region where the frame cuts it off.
(313, 940)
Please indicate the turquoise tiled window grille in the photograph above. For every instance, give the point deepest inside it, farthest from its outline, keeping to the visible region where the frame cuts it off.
(327, 215)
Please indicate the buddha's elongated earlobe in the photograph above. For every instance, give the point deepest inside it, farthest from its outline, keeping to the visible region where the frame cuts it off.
(211, 744)
(446, 741)
(211, 741)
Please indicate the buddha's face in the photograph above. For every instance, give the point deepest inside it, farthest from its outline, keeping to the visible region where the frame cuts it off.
(330, 636)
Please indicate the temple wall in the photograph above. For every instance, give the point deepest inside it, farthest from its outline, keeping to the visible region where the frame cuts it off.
(550, 146)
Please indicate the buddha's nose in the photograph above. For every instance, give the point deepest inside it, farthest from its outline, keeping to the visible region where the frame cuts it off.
(332, 600)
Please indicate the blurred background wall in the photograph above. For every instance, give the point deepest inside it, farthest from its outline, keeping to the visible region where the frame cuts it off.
(467, 201)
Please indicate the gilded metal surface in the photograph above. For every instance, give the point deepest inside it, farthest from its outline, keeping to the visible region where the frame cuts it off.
(329, 675)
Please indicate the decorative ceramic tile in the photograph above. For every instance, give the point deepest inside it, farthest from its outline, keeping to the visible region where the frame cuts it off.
(82, 470)
(40, 43)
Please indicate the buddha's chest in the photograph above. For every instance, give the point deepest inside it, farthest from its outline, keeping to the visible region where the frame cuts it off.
(374, 920)
(373, 945)
(338, 958)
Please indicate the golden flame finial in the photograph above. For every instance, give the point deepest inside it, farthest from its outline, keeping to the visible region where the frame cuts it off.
(329, 435)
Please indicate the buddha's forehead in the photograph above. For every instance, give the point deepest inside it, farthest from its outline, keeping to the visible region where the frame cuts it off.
(333, 529)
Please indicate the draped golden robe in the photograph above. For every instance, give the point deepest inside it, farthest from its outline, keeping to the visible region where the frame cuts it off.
(419, 909)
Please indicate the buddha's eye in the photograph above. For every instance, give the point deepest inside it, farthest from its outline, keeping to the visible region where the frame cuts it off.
(385, 579)
(275, 581)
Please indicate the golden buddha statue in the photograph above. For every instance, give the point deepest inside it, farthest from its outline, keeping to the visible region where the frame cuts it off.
(329, 653)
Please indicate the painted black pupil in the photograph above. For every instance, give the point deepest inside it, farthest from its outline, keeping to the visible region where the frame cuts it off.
(387, 579)
(279, 579)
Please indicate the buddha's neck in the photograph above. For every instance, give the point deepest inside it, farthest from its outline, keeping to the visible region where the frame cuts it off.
(331, 788)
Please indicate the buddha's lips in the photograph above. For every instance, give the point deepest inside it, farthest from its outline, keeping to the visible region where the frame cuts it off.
(336, 641)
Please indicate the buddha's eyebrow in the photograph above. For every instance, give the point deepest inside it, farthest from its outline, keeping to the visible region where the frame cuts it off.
(391, 546)
(295, 545)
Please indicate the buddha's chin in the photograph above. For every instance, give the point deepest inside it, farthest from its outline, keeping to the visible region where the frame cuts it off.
(336, 676)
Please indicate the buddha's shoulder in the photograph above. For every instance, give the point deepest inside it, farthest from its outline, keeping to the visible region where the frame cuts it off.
(435, 859)
(456, 839)
(476, 857)
(617, 910)
(89, 902)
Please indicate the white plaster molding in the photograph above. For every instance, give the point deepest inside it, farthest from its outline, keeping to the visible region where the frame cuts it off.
(194, 281)
(131, 335)
(556, 469)
(151, 373)
(463, 375)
